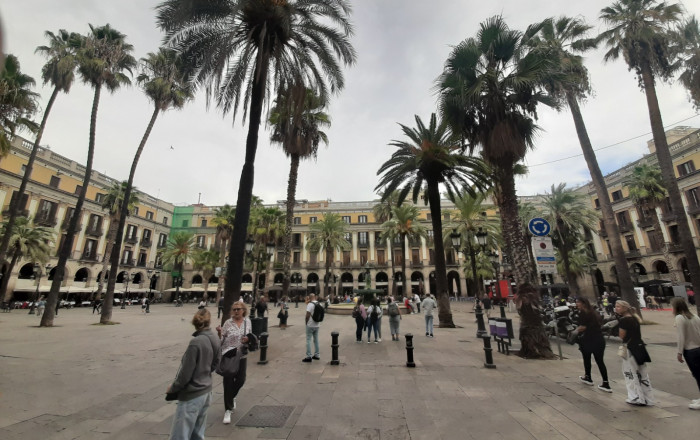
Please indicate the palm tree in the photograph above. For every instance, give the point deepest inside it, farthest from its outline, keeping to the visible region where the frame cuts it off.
(296, 119)
(404, 225)
(266, 226)
(112, 203)
(580, 259)
(570, 215)
(382, 213)
(490, 89)
(58, 71)
(469, 219)
(240, 49)
(639, 30)
(103, 56)
(686, 40)
(178, 251)
(432, 157)
(163, 81)
(224, 217)
(328, 234)
(32, 243)
(563, 40)
(206, 261)
(17, 102)
(647, 191)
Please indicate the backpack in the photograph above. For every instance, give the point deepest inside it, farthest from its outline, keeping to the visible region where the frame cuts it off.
(318, 312)
(393, 309)
(374, 315)
(356, 312)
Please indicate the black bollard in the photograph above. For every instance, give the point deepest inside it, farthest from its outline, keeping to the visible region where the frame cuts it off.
(409, 351)
(481, 327)
(334, 348)
(263, 349)
(488, 352)
(503, 309)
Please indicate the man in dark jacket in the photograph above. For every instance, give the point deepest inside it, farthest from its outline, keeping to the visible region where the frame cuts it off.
(193, 383)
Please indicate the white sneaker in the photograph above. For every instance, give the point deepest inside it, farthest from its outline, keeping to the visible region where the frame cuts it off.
(227, 417)
(368, 341)
(380, 339)
(695, 404)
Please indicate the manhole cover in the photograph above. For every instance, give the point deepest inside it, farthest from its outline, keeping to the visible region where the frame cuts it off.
(266, 416)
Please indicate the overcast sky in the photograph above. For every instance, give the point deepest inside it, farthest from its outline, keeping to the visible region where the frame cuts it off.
(401, 47)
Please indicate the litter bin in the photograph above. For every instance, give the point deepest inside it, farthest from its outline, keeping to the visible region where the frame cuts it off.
(259, 326)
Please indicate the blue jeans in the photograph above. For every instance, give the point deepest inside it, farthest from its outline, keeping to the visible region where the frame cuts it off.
(312, 331)
(191, 418)
(372, 325)
(429, 324)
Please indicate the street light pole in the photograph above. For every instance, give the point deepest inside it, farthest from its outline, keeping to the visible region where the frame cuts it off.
(126, 289)
(37, 275)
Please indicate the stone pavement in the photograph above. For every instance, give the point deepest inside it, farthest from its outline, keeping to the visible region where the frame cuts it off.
(81, 381)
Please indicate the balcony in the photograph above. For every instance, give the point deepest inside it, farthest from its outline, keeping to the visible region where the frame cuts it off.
(162, 245)
(675, 247)
(131, 240)
(363, 245)
(89, 256)
(141, 263)
(633, 254)
(692, 210)
(146, 243)
(296, 265)
(66, 223)
(312, 266)
(20, 213)
(416, 264)
(624, 228)
(668, 217)
(45, 220)
(381, 265)
(602, 232)
(645, 222)
(95, 231)
(127, 262)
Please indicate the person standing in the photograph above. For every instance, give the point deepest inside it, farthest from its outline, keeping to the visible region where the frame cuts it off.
(636, 357)
(428, 306)
(691, 295)
(95, 306)
(394, 318)
(486, 302)
(312, 329)
(416, 301)
(374, 315)
(591, 342)
(234, 336)
(261, 307)
(193, 382)
(688, 329)
(220, 308)
(40, 306)
(359, 313)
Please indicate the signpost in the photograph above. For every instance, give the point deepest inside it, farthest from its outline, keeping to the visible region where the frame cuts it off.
(543, 250)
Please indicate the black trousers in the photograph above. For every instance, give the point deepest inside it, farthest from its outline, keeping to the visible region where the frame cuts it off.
(360, 323)
(692, 358)
(233, 384)
(598, 360)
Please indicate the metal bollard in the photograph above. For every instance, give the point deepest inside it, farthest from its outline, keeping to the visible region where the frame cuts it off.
(488, 352)
(263, 348)
(481, 327)
(334, 348)
(409, 351)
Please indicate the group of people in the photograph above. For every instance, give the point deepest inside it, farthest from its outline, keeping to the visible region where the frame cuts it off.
(370, 318)
(634, 355)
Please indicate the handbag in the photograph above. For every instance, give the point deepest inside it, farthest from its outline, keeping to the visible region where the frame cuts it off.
(622, 352)
(230, 363)
(169, 397)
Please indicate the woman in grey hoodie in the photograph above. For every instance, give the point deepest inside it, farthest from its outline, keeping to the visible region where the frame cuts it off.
(192, 385)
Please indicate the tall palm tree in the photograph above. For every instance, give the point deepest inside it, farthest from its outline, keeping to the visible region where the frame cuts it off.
(646, 190)
(112, 203)
(224, 217)
(639, 30)
(103, 56)
(382, 213)
(163, 81)
(328, 234)
(404, 225)
(178, 251)
(240, 49)
(469, 219)
(570, 215)
(430, 158)
(18, 102)
(28, 242)
(686, 40)
(58, 71)
(267, 224)
(563, 40)
(580, 259)
(296, 118)
(489, 92)
(206, 261)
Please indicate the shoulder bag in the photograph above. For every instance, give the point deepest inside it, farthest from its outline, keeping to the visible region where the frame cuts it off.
(230, 362)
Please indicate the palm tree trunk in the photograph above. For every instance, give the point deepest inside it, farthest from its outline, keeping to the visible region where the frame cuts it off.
(291, 201)
(403, 265)
(664, 245)
(5, 244)
(222, 276)
(564, 252)
(234, 272)
(623, 271)
(666, 164)
(123, 213)
(327, 278)
(111, 234)
(6, 279)
(64, 253)
(516, 245)
(475, 279)
(443, 299)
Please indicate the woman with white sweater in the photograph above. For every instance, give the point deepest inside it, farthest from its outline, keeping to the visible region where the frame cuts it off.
(688, 329)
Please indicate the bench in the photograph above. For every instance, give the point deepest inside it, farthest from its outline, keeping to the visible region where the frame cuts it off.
(502, 331)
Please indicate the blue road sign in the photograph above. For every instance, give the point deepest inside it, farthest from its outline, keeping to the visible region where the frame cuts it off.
(539, 227)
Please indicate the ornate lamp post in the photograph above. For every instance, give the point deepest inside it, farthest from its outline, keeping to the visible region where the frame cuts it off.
(456, 239)
(127, 278)
(152, 280)
(257, 259)
(37, 276)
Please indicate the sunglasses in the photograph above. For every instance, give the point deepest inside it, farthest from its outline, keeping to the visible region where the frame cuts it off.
(237, 310)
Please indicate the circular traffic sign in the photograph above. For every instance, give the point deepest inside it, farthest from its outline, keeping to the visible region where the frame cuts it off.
(539, 227)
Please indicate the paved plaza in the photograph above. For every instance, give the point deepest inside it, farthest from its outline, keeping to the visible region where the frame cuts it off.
(83, 381)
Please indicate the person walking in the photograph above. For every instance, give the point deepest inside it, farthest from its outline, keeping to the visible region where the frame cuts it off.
(193, 384)
(634, 356)
(220, 308)
(261, 307)
(486, 302)
(374, 314)
(359, 313)
(312, 328)
(95, 306)
(394, 318)
(428, 306)
(591, 342)
(688, 329)
(416, 301)
(40, 306)
(234, 336)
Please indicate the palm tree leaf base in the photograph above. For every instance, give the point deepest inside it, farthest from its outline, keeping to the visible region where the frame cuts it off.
(534, 343)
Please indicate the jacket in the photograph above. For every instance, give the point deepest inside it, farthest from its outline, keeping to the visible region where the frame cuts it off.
(201, 358)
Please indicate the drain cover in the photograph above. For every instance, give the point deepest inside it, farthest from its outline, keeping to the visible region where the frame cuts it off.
(266, 416)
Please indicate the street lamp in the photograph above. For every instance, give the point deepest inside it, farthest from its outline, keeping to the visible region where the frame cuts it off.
(127, 278)
(37, 276)
(257, 259)
(152, 280)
